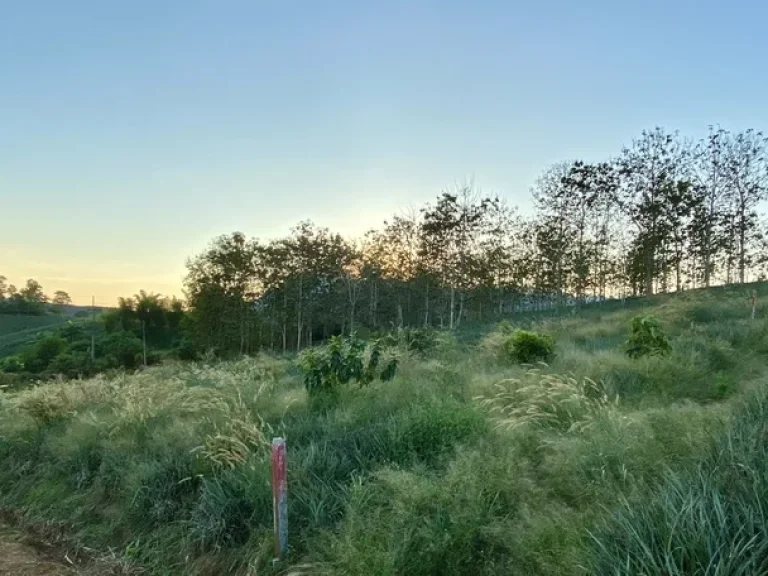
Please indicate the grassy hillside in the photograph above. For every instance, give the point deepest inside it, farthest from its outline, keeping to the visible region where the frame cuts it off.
(16, 331)
(465, 463)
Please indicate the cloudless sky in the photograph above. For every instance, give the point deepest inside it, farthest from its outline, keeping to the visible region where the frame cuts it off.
(131, 133)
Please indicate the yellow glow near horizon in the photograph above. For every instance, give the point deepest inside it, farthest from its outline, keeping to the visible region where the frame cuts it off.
(88, 281)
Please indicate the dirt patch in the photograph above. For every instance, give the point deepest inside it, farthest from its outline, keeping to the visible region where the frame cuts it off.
(21, 559)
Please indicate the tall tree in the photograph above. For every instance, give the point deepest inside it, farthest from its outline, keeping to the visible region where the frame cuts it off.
(647, 168)
(710, 184)
(747, 172)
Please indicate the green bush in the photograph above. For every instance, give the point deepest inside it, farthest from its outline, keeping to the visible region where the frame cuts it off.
(647, 339)
(123, 349)
(528, 347)
(38, 357)
(418, 340)
(342, 361)
(11, 364)
(187, 350)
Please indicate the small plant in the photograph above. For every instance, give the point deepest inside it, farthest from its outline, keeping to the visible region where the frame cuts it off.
(343, 361)
(528, 347)
(647, 339)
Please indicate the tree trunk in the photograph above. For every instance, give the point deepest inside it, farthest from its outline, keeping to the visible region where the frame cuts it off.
(742, 249)
(453, 303)
(648, 272)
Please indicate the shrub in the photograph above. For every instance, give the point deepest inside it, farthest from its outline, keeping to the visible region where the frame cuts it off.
(528, 347)
(71, 364)
(419, 340)
(11, 364)
(187, 350)
(342, 361)
(647, 338)
(38, 357)
(123, 349)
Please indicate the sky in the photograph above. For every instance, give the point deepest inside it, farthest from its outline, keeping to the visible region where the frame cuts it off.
(132, 133)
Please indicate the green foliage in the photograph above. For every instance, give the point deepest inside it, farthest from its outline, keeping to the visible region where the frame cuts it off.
(460, 465)
(418, 340)
(526, 347)
(11, 364)
(648, 338)
(342, 361)
(123, 349)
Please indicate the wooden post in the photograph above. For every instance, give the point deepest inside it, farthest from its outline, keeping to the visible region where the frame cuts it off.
(280, 497)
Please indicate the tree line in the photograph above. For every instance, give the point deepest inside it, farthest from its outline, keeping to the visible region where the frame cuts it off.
(665, 214)
(30, 299)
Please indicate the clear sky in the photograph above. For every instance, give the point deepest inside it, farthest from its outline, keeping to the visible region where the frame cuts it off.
(133, 132)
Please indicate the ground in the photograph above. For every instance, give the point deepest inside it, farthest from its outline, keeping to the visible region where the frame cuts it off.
(20, 558)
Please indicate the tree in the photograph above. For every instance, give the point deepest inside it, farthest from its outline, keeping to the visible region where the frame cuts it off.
(61, 298)
(747, 173)
(451, 232)
(221, 286)
(647, 168)
(709, 189)
(501, 250)
(555, 233)
(33, 292)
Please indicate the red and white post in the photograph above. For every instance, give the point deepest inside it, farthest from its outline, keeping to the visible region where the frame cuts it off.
(280, 497)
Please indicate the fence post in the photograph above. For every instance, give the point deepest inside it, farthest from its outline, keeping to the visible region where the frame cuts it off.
(280, 497)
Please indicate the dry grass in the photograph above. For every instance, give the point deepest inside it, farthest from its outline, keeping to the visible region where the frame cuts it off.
(543, 399)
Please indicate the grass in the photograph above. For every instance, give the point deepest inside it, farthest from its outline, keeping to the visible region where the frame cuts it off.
(465, 463)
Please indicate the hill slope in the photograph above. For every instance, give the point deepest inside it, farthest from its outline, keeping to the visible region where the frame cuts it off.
(463, 464)
(16, 331)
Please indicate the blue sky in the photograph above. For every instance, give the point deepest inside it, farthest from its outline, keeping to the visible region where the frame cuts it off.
(133, 132)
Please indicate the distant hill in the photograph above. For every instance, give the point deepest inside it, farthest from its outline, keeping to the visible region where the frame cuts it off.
(15, 331)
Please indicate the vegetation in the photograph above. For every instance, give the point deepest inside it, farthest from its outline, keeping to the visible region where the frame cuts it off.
(30, 299)
(664, 215)
(528, 347)
(138, 332)
(344, 360)
(647, 338)
(462, 463)
(605, 446)
(707, 520)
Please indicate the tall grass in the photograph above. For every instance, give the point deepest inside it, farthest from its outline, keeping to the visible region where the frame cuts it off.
(465, 463)
(706, 521)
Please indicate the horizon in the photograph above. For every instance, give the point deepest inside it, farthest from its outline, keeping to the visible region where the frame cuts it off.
(133, 135)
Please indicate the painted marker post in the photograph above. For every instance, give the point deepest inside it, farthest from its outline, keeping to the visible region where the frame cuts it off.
(280, 497)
